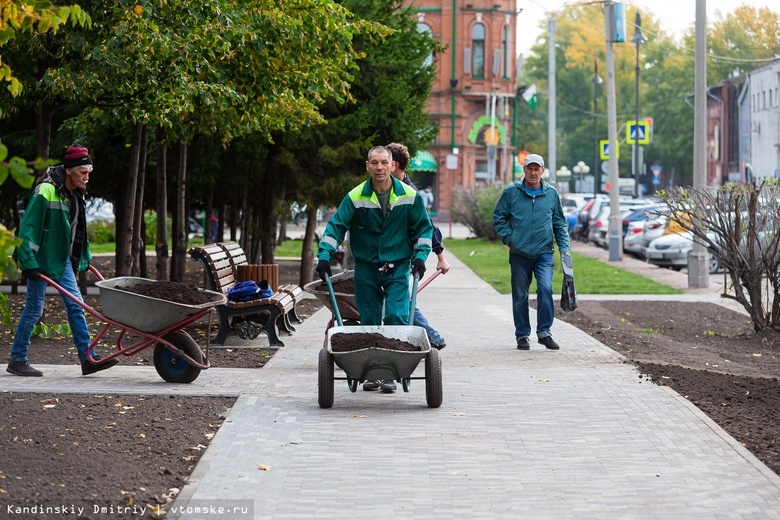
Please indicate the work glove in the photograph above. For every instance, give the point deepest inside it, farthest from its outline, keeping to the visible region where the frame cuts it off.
(323, 268)
(418, 268)
(32, 274)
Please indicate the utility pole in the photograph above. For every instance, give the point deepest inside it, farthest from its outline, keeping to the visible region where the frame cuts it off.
(699, 258)
(615, 222)
(552, 122)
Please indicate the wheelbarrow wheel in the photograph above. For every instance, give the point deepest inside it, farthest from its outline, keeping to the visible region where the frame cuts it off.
(433, 384)
(325, 382)
(175, 369)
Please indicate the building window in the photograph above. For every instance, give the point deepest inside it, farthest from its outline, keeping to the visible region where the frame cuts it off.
(478, 51)
(481, 170)
(426, 29)
(505, 53)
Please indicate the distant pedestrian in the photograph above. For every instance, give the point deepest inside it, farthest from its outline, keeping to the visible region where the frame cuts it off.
(427, 196)
(528, 218)
(54, 243)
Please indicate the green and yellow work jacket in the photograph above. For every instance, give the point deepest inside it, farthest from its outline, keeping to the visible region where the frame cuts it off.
(403, 234)
(54, 228)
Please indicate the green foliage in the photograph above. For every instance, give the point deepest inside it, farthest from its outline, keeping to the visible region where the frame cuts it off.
(101, 232)
(8, 242)
(490, 261)
(5, 311)
(473, 206)
(47, 332)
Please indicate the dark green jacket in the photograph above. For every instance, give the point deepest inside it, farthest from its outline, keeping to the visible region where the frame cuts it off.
(404, 234)
(528, 224)
(53, 222)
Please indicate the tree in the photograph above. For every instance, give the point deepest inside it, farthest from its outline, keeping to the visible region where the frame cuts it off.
(739, 224)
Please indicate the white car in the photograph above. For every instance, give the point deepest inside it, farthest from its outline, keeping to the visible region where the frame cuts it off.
(672, 251)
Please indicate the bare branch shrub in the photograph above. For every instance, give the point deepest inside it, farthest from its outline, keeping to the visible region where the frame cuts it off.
(473, 207)
(739, 224)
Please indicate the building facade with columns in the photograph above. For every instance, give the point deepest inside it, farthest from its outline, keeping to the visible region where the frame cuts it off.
(473, 96)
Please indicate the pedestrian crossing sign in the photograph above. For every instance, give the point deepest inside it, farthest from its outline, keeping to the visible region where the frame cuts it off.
(604, 149)
(638, 132)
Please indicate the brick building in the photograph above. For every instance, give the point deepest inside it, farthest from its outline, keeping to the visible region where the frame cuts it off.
(472, 97)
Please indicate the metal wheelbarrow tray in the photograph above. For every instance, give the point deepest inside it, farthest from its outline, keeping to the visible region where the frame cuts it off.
(374, 363)
(159, 324)
(345, 301)
(146, 313)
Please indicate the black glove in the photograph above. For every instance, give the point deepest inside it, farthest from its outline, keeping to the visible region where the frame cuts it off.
(32, 274)
(323, 268)
(418, 268)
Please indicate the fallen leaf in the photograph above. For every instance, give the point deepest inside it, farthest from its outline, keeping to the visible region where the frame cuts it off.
(756, 355)
(49, 405)
(264, 467)
(141, 435)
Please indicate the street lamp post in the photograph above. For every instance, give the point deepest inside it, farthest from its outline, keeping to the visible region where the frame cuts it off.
(580, 170)
(596, 172)
(562, 176)
(637, 39)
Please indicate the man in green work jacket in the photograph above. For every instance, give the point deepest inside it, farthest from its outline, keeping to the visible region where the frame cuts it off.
(390, 233)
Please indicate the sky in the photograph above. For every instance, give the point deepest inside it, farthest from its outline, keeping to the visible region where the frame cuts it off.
(674, 16)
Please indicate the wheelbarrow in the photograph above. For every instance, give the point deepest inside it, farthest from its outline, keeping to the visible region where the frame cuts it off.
(159, 323)
(374, 363)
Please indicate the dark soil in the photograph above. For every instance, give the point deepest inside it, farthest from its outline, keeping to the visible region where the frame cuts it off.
(361, 340)
(706, 353)
(178, 292)
(128, 454)
(342, 286)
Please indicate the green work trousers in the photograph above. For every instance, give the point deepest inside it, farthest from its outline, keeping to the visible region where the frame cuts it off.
(373, 288)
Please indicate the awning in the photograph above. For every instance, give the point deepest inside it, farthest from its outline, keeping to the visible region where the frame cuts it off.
(423, 161)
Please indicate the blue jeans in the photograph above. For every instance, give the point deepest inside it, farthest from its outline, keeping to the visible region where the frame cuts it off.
(522, 269)
(33, 309)
(433, 335)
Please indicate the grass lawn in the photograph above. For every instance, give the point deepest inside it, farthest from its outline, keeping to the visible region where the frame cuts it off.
(490, 260)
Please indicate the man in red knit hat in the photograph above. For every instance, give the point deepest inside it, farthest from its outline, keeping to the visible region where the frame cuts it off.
(54, 242)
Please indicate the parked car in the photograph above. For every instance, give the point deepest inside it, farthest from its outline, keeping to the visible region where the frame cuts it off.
(634, 228)
(672, 250)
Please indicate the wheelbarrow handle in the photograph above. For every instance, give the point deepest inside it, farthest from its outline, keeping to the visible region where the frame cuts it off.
(415, 280)
(429, 279)
(333, 300)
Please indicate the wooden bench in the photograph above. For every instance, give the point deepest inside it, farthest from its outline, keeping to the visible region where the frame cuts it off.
(238, 258)
(245, 319)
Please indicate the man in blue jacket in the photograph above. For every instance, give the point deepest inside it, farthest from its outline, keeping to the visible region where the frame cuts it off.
(528, 218)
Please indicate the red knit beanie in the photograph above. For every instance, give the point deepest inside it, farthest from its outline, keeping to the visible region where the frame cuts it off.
(76, 156)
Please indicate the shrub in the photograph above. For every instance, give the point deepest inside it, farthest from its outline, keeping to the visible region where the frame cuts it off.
(101, 232)
(473, 207)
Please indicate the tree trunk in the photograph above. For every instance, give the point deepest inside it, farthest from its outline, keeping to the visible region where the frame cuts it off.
(180, 222)
(307, 254)
(124, 233)
(139, 242)
(208, 234)
(161, 246)
(43, 121)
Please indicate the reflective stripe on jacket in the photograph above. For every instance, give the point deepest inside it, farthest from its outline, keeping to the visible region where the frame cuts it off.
(404, 233)
(46, 234)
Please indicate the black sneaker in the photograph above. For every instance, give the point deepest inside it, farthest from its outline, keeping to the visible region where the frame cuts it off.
(388, 386)
(370, 386)
(440, 345)
(88, 368)
(22, 368)
(523, 344)
(548, 342)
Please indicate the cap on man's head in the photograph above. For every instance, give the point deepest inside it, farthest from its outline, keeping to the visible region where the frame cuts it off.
(76, 155)
(534, 159)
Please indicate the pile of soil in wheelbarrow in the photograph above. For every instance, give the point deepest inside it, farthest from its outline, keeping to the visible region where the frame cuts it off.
(178, 292)
(344, 286)
(360, 340)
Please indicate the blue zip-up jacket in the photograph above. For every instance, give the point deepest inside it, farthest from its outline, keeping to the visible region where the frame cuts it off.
(528, 224)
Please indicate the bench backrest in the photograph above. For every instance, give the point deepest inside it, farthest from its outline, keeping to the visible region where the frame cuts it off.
(217, 262)
(235, 254)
